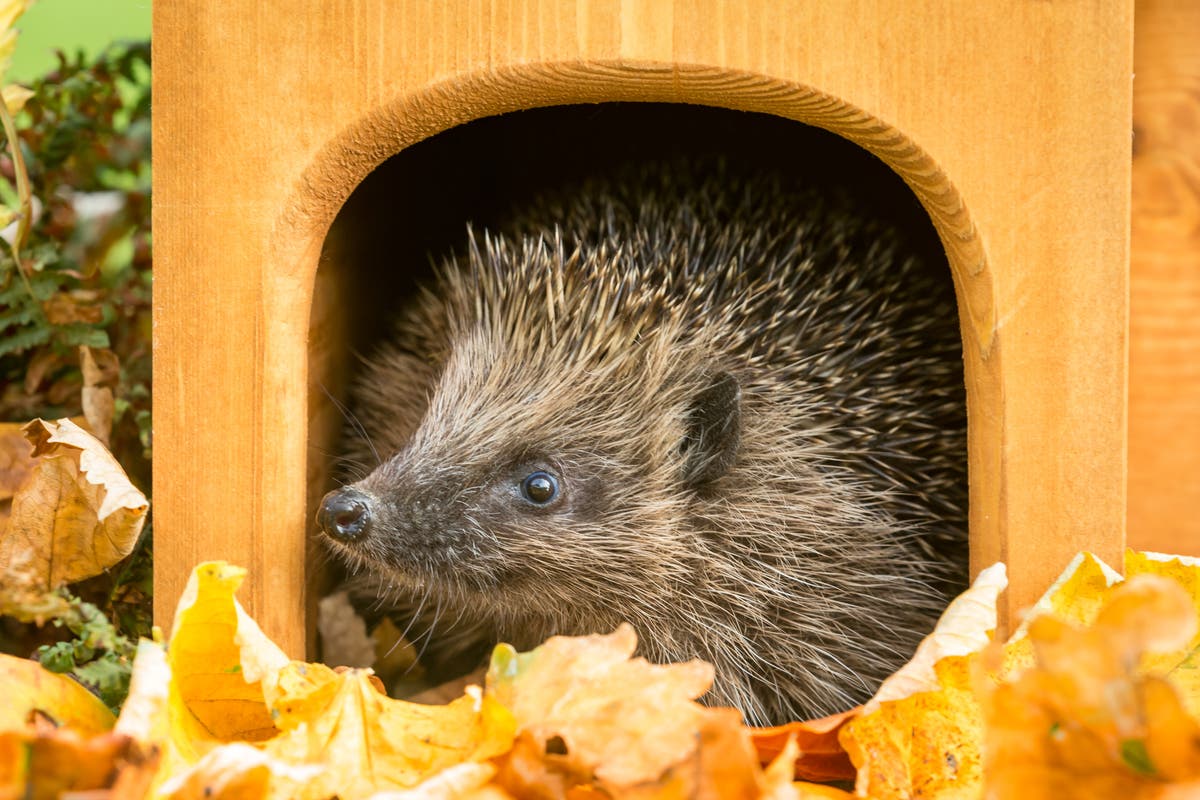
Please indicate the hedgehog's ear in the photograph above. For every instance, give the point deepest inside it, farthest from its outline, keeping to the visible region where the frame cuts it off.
(714, 429)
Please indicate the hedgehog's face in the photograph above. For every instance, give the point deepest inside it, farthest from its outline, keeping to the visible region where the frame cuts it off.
(569, 488)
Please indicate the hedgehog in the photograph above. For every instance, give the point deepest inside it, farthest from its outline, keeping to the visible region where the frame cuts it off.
(725, 408)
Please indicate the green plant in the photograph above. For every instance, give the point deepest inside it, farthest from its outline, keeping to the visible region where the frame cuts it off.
(80, 274)
(75, 270)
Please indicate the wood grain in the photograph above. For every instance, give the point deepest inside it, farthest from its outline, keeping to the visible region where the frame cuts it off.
(1164, 331)
(1008, 119)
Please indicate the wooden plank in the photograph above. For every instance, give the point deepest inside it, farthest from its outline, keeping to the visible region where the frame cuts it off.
(1164, 332)
(1010, 117)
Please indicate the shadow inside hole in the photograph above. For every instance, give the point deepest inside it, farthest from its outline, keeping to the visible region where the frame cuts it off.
(414, 208)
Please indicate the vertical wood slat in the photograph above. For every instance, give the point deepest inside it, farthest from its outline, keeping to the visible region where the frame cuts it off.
(268, 113)
(1164, 335)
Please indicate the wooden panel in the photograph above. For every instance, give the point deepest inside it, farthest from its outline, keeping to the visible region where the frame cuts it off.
(1164, 330)
(1009, 118)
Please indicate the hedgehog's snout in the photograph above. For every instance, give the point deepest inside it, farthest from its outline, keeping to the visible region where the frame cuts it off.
(345, 515)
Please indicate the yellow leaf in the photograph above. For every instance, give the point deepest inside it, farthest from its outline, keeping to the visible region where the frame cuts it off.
(370, 742)
(1182, 665)
(239, 771)
(924, 745)
(10, 10)
(921, 734)
(30, 687)
(230, 683)
(56, 737)
(1082, 722)
(470, 781)
(14, 96)
(8, 43)
(1076, 596)
(77, 514)
(218, 659)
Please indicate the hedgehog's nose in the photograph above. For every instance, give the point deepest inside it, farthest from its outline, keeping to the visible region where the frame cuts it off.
(345, 515)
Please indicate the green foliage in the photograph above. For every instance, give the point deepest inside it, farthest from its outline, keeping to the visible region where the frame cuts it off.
(84, 278)
(84, 275)
(99, 656)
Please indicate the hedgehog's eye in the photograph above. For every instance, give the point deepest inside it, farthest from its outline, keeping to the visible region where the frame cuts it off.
(539, 487)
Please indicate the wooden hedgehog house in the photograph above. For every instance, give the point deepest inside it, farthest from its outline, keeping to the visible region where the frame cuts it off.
(1009, 122)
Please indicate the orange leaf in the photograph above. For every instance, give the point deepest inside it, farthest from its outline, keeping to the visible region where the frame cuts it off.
(1082, 722)
(820, 756)
(30, 688)
(50, 763)
(585, 701)
(594, 722)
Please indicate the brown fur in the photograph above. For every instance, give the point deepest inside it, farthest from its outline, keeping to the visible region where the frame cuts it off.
(752, 400)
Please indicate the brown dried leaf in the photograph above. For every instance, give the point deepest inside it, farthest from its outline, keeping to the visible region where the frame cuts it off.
(63, 309)
(77, 514)
(96, 397)
(16, 464)
(43, 362)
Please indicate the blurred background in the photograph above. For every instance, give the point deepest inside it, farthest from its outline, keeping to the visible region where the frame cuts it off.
(73, 25)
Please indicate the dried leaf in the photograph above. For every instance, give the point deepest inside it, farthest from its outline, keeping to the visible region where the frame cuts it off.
(1076, 597)
(239, 771)
(15, 96)
(230, 683)
(820, 755)
(344, 638)
(470, 781)
(600, 712)
(965, 627)
(23, 594)
(1180, 665)
(595, 722)
(64, 309)
(77, 514)
(1082, 722)
(49, 763)
(56, 737)
(30, 688)
(921, 735)
(218, 659)
(97, 398)
(16, 465)
(371, 742)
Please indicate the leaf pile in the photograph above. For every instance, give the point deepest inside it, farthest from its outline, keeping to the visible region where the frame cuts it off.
(1066, 708)
(1095, 696)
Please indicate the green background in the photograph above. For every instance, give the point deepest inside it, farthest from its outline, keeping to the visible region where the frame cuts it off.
(71, 25)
